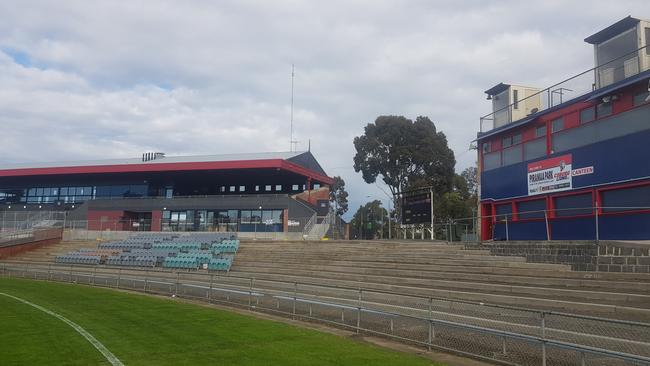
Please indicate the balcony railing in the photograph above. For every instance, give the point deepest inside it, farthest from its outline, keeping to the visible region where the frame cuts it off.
(585, 82)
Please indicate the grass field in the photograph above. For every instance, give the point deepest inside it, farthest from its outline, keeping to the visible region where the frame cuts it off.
(144, 330)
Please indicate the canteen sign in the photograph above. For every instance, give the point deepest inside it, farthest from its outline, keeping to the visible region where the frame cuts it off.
(550, 175)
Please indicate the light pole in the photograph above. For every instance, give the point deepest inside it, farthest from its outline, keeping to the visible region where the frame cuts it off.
(260, 217)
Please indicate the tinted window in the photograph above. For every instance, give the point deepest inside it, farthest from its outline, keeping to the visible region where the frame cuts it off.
(604, 109)
(534, 149)
(516, 139)
(531, 209)
(512, 155)
(579, 204)
(506, 142)
(557, 125)
(540, 131)
(624, 199)
(587, 115)
(491, 160)
(503, 211)
(641, 97)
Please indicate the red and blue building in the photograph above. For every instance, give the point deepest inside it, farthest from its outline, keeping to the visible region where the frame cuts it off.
(572, 161)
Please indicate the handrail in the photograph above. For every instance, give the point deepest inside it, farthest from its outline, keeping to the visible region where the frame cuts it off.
(549, 90)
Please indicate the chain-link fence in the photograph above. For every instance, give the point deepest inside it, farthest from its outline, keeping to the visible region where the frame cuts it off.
(507, 335)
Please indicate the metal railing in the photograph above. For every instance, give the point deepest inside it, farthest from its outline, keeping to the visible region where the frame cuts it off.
(502, 334)
(573, 87)
(464, 229)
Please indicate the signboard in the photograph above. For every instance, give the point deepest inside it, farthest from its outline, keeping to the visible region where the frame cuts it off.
(416, 207)
(550, 175)
(553, 175)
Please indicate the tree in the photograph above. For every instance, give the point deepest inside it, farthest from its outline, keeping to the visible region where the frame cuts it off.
(368, 221)
(406, 154)
(470, 174)
(339, 196)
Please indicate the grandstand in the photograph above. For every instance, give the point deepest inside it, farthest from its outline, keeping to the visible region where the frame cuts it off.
(211, 251)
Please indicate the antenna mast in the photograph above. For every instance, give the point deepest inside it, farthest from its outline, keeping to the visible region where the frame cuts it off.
(292, 142)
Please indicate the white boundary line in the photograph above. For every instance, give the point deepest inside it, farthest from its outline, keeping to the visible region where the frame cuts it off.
(89, 337)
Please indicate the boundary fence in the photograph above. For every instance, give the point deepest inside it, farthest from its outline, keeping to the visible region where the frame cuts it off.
(506, 335)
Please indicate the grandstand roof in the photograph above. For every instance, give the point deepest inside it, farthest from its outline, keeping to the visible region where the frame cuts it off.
(300, 162)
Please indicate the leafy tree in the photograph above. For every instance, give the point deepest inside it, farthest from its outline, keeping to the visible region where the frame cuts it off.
(339, 196)
(470, 174)
(369, 221)
(406, 154)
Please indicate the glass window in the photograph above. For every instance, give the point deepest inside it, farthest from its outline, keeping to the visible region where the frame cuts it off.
(277, 216)
(503, 211)
(557, 125)
(295, 187)
(232, 188)
(39, 191)
(257, 188)
(506, 142)
(643, 97)
(515, 97)
(604, 109)
(278, 187)
(587, 115)
(256, 216)
(647, 41)
(512, 155)
(534, 149)
(267, 188)
(242, 188)
(516, 139)
(316, 186)
(531, 209)
(624, 199)
(32, 192)
(579, 204)
(166, 214)
(540, 131)
(492, 160)
(487, 147)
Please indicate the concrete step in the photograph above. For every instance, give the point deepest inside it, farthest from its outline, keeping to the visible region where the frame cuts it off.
(433, 273)
(571, 301)
(613, 298)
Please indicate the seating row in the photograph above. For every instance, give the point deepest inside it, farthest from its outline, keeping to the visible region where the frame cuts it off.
(77, 259)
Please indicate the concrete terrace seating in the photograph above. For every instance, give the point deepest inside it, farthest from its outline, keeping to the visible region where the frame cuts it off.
(447, 271)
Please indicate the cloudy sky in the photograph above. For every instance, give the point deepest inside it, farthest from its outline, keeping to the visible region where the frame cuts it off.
(92, 79)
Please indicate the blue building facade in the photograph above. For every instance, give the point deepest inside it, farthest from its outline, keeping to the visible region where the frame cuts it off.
(566, 164)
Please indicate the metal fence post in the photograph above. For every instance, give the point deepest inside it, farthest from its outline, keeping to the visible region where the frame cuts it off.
(596, 218)
(507, 234)
(210, 290)
(359, 312)
(146, 275)
(543, 330)
(430, 325)
(250, 293)
(295, 294)
(94, 275)
(178, 275)
(548, 231)
(119, 277)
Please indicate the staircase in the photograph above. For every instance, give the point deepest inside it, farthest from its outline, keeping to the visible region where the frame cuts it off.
(318, 230)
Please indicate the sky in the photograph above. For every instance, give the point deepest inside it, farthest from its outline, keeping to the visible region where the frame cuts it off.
(109, 79)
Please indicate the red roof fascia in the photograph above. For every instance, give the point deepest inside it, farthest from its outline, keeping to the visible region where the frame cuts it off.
(166, 167)
(287, 165)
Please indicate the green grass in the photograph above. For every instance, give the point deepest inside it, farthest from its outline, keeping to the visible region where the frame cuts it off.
(144, 330)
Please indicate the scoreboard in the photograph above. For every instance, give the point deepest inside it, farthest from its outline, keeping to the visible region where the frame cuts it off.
(416, 207)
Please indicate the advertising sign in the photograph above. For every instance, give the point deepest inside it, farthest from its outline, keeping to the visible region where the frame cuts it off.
(550, 175)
